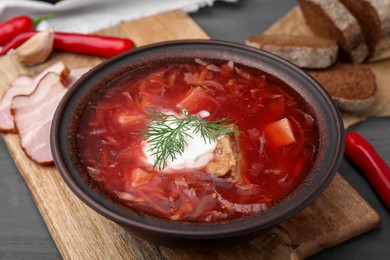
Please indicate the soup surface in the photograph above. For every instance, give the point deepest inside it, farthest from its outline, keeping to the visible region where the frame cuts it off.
(272, 147)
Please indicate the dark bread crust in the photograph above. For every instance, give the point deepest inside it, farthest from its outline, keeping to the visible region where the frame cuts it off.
(368, 19)
(352, 86)
(373, 17)
(293, 40)
(331, 19)
(304, 51)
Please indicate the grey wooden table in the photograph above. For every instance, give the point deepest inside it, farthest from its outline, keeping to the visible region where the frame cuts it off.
(23, 234)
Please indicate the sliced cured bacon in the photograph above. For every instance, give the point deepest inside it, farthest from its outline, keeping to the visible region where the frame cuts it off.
(75, 74)
(21, 85)
(33, 115)
(29, 104)
(24, 85)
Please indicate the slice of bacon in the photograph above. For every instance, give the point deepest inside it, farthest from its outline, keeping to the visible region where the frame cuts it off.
(75, 74)
(24, 85)
(33, 115)
(29, 104)
(21, 85)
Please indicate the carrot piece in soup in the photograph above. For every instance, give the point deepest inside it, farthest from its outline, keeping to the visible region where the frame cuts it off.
(198, 99)
(280, 133)
(141, 176)
(127, 174)
(175, 193)
(143, 100)
(203, 74)
(129, 119)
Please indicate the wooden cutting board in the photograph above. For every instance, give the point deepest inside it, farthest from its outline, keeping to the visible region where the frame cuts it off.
(337, 215)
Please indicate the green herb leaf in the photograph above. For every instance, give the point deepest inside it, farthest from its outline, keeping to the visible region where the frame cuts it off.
(166, 134)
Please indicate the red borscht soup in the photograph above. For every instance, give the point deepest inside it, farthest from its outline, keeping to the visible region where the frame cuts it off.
(270, 150)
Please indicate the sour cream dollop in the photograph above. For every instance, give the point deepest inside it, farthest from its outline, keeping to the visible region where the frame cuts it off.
(197, 154)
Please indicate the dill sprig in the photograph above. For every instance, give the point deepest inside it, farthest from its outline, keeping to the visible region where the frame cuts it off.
(166, 134)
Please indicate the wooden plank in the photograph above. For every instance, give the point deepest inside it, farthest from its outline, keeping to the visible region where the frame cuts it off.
(80, 233)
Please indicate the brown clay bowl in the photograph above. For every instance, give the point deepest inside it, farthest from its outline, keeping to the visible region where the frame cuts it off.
(187, 234)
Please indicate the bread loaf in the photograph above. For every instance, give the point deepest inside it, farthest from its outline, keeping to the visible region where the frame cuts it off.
(374, 19)
(331, 19)
(304, 51)
(352, 86)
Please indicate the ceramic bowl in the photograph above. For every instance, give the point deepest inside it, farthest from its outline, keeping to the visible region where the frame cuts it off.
(187, 234)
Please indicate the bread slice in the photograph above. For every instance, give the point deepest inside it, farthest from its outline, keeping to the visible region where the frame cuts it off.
(352, 86)
(304, 51)
(373, 17)
(382, 50)
(331, 19)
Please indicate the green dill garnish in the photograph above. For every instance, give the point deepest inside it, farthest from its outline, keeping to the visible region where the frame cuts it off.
(166, 134)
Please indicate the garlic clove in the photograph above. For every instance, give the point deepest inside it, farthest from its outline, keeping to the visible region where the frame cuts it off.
(36, 49)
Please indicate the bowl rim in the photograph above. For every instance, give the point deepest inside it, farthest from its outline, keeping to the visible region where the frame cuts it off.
(204, 230)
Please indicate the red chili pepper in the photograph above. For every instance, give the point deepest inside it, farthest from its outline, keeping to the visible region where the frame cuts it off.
(12, 27)
(78, 43)
(91, 44)
(16, 41)
(364, 156)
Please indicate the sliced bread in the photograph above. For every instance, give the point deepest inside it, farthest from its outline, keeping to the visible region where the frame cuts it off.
(304, 51)
(352, 86)
(382, 50)
(373, 17)
(331, 19)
